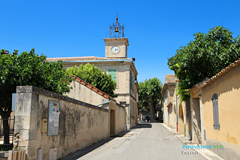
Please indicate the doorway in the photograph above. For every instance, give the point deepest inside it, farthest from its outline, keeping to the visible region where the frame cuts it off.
(112, 122)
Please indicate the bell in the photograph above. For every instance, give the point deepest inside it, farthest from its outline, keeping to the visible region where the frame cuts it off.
(116, 29)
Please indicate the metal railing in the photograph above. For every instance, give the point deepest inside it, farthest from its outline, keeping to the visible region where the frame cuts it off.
(11, 132)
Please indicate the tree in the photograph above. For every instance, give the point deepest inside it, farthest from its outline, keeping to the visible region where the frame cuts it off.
(94, 76)
(27, 69)
(150, 95)
(204, 57)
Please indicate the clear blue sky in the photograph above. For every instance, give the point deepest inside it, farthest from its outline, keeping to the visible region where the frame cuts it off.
(72, 28)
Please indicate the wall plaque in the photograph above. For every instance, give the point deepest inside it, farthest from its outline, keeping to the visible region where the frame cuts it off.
(53, 117)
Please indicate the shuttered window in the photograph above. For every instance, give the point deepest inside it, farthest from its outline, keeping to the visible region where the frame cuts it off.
(112, 73)
(132, 81)
(216, 124)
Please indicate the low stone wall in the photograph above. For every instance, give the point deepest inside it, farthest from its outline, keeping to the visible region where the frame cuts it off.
(80, 124)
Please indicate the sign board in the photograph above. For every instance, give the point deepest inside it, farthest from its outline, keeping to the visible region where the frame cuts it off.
(44, 125)
(53, 117)
(13, 101)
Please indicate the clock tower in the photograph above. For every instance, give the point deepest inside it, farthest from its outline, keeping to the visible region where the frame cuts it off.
(116, 45)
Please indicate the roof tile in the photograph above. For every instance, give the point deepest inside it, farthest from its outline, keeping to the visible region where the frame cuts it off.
(170, 78)
(218, 75)
(80, 58)
(91, 87)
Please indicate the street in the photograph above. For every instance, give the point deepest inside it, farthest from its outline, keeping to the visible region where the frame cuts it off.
(144, 141)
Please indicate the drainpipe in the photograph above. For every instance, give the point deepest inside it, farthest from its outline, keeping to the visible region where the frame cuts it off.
(203, 131)
(192, 129)
(105, 102)
(167, 119)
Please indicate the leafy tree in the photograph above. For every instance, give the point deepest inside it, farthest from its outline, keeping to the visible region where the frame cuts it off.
(150, 95)
(94, 76)
(204, 57)
(27, 69)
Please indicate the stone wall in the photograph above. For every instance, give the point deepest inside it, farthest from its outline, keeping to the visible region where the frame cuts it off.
(119, 117)
(80, 124)
(85, 92)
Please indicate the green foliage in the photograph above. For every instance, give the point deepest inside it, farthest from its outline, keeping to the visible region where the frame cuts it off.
(94, 76)
(28, 69)
(149, 94)
(150, 88)
(204, 57)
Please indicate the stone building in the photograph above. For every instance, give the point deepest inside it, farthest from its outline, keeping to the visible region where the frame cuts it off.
(176, 113)
(169, 111)
(119, 66)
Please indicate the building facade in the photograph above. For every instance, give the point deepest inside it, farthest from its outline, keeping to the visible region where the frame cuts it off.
(176, 114)
(215, 112)
(119, 66)
(170, 106)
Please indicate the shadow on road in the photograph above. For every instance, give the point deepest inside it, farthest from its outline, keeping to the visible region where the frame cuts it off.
(142, 125)
(84, 151)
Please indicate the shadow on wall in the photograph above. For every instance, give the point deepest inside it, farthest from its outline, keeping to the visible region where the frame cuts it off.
(197, 131)
(188, 120)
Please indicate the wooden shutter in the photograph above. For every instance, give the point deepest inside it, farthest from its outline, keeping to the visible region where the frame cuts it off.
(217, 113)
(132, 81)
(216, 124)
(112, 73)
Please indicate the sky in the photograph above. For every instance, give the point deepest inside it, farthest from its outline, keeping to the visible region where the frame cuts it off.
(75, 28)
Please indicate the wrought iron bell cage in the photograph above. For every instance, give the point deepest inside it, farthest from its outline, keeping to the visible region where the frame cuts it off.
(116, 30)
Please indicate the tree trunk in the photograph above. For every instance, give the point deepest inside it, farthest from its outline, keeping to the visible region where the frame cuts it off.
(5, 128)
(152, 111)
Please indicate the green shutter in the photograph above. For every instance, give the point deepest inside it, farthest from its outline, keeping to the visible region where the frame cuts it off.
(112, 73)
(132, 81)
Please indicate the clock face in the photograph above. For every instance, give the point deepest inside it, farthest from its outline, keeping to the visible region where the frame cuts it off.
(115, 49)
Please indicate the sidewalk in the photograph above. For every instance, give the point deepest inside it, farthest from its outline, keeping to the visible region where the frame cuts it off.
(209, 155)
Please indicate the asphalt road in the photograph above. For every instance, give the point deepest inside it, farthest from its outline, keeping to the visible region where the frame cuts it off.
(146, 141)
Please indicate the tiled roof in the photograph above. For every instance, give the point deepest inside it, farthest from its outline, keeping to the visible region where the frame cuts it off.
(81, 58)
(105, 95)
(170, 78)
(218, 75)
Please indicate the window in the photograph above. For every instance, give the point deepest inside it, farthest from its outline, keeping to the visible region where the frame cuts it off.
(112, 73)
(216, 124)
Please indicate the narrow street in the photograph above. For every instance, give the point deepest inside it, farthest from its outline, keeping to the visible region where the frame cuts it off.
(143, 142)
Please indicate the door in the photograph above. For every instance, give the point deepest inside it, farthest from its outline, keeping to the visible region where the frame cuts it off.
(112, 122)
